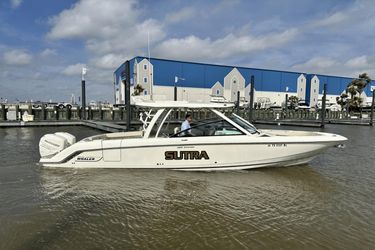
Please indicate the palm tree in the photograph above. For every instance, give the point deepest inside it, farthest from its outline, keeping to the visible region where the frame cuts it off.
(293, 101)
(138, 89)
(355, 89)
(342, 100)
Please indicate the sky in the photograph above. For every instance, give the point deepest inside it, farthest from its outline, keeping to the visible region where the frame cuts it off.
(45, 43)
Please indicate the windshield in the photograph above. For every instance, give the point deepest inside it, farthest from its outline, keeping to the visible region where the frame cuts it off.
(202, 122)
(244, 124)
(210, 127)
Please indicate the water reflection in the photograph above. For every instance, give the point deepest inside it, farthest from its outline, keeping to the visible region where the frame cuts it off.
(152, 208)
(326, 204)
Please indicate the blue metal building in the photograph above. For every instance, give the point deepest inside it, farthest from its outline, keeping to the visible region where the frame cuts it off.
(197, 80)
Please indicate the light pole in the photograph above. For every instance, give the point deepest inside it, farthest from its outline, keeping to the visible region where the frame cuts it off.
(176, 78)
(286, 97)
(83, 89)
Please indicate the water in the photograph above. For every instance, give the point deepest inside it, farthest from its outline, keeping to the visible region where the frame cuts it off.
(329, 203)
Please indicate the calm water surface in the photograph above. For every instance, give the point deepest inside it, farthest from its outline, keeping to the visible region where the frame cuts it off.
(327, 204)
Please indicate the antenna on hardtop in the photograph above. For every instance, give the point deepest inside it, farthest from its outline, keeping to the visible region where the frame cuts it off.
(149, 64)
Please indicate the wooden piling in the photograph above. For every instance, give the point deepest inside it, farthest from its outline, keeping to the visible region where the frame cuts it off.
(56, 112)
(127, 95)
(43, 112)
(251, 103)
(323, 114)
(100, 112)
(89, 115)
(238, 103)
(83, 86)
(112, 113)
(30, 109)
(372, 108)
(18, 112)
(3, 113)
(68, 112)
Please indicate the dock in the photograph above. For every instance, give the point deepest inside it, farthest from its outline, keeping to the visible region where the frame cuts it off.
(114, 119)
(110, 127)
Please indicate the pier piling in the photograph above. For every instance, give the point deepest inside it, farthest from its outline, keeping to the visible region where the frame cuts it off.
(18, 112)
(251, 103)
(127, 95)
(43, 112)
(238, 102)
(3, 113)
(83, 99)
(286, 106)
(30, 109)
(372, 108)
(323, 115)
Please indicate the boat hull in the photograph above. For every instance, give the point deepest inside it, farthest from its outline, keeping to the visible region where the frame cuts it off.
(229, 153)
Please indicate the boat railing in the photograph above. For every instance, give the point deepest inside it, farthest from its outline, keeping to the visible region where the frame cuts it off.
(145, 117)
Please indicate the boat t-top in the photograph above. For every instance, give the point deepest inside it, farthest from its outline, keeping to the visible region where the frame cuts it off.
(214, 141)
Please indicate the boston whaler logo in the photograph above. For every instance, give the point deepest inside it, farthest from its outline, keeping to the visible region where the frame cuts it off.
(186, 155)
(85, 158)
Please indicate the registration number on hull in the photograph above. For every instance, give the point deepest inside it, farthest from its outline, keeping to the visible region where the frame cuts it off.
(276, 145)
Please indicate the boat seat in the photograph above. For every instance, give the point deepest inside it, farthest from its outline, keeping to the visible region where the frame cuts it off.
(176, 130)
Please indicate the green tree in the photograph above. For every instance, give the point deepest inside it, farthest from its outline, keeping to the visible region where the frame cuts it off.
(355, 89)
(138, 89)
(293, 102)
(342, 100)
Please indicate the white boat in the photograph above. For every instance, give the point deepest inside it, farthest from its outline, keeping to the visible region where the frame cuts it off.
(218, 143)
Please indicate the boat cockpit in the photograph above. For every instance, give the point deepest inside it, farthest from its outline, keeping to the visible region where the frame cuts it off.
(166, 123)
(212, 123)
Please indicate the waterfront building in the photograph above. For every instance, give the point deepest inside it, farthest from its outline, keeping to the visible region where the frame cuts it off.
(200, 82)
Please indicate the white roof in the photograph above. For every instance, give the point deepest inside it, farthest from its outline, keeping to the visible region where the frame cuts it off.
(181, 104)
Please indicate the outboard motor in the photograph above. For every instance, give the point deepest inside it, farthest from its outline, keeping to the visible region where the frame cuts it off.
(51, 144)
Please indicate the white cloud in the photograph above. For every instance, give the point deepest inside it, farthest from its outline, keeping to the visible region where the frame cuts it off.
(15, 3)
(357, 62)
(317, 64)
(94, 18)
(17, 57)
(335, 18)
(111, 30)
(195, 48)
(181, 15)
(73, 70)
(109, 61)
(224, 5)
(106, 26)
(127, 41)
(48, 52)
(332, 66)
(357, 15)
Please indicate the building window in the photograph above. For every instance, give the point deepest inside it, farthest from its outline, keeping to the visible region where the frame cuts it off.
(217, 92)
(314, 90)
(301, 80)
(144, 79)
(314, 81)
(145, 92)
(145, 66)
(301, 89)
(234, 80)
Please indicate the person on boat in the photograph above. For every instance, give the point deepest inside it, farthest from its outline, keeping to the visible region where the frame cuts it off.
(185, 126)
